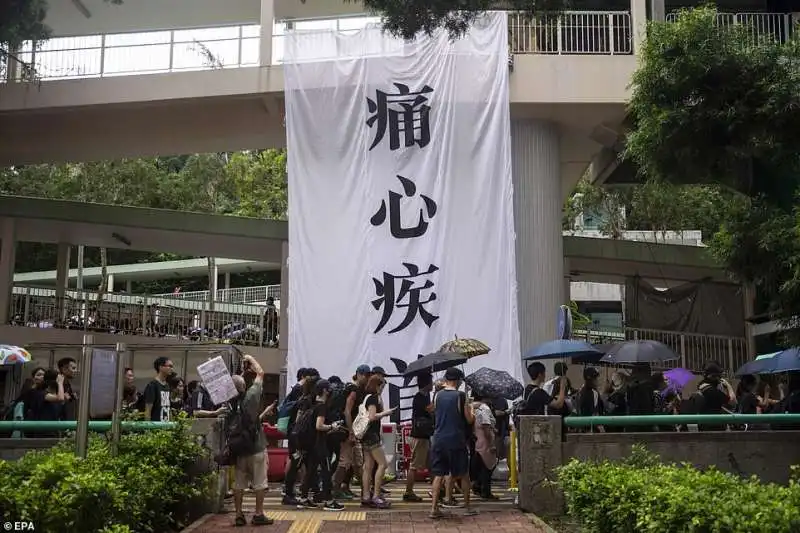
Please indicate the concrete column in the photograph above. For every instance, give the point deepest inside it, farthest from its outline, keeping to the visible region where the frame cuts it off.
(748, 302)
(267, 25)
(535, 161)
(540, 454)
(639, 21)
(8, 248)
(110, 287)
(283, 326)
(658, 11)
(129, 286)
(227, 280)
(62, 279)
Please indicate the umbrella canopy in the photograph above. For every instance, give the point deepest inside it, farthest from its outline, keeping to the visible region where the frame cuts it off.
(678, 378)
(13, 355)
(561, 348)
(434, 362)
(467, 347)
(772, 363)
(639, 352)
(490, 383)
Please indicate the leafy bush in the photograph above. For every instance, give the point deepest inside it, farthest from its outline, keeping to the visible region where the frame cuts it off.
(642, 495)
(152, 484)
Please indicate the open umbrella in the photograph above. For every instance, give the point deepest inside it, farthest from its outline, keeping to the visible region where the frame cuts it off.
(13, 355)
(785, 361)
(678, 378)
(761, 365)
(561, 348)
(639, 352)
(468, 347)
(434, 362)
(490, 383)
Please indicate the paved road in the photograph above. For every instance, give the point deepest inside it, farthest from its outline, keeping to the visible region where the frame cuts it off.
(403, 517)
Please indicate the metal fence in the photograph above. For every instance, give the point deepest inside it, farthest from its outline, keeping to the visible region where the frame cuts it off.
(155, 316)
(775, 27)
(243, 295)
(572, 32)
(694, 349)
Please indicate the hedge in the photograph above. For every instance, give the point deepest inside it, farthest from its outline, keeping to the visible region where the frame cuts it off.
(155, 483)
(642, 495)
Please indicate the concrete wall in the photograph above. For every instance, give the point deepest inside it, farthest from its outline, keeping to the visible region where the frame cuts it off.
(543, 447)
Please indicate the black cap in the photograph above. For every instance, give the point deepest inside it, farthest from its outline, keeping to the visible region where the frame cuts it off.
(453, 374)
(378, 370)
(590, 373)
(363, 370)
(321, 386)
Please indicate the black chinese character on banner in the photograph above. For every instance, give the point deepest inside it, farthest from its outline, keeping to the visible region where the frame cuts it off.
(403, 292)
(395, 224)
(404, 113)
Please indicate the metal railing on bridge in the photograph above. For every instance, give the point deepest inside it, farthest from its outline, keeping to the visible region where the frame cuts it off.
(694, 349)
(238, 295)
(151, 52)
(761, 27)
(157, 316)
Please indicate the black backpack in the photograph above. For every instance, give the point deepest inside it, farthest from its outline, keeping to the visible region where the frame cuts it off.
(240, 437)
(338, 402)
(304, 431)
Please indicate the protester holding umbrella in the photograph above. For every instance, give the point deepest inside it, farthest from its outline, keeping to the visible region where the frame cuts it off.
(484, 451)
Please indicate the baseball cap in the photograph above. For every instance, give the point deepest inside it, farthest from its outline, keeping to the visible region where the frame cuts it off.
(378, 370)
(322, 385)
(363, 369)
(453, 374)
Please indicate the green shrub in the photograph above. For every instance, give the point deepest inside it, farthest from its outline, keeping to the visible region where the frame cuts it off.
(642, 495)
(155, 483)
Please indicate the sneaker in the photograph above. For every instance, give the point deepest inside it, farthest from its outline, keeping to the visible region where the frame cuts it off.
(306, 503)
(380, 503)
(341, 495)
(348, 494)
(470, 511)
(367, 503)
(261, 520)
(240, 521)
(318, 499)
(451, 503)
(385, 491)
(411, 497)
(290, 500)
(333, 506)
(436, 514)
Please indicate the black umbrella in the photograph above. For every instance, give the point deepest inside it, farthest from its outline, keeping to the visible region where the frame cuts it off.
(434, 362)
(639, 352)
(489, 383)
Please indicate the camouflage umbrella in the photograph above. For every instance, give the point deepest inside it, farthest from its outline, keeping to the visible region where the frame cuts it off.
(466, 347)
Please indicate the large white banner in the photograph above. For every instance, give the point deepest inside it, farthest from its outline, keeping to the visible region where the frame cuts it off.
(401, 229)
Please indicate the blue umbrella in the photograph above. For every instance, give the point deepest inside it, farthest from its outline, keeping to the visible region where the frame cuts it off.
(785, 361)
(561, 348)
(761, 365)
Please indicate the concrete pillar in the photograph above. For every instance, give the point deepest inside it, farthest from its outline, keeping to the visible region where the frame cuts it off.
(267, 25)
(748, 302)
(283, 326)
(658, 11)
(8, 248)
(62, 279)
(110, 287)
(129, 286)
(639, 21)
(227, 280)
(540, 454)
(535, 161)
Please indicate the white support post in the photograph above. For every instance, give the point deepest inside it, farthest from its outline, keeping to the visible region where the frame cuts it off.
(267, 27)
(8, 246)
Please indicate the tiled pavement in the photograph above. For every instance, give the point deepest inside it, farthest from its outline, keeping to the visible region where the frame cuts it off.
(403, 517)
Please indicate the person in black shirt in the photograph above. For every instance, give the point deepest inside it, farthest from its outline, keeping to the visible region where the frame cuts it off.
(157, 392)
(350, 457)
(421, 432)
(536, 400)
(67, 367)
(372, 446)
(714, 396)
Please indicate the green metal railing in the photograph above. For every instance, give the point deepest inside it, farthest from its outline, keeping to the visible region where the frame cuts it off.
(671, 420)
(98, 426)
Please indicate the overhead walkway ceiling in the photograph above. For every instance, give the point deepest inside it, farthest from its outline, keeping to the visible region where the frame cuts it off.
(201, 235)
(181, 269)
(151, 230)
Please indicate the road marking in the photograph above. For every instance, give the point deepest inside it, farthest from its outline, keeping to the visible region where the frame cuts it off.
(311, 525)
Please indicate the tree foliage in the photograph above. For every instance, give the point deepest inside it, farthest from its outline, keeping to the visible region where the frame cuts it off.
(713, 105)
(252, 184)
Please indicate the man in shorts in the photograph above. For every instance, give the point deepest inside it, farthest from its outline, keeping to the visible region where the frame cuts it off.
(421, 432)
(449, 452)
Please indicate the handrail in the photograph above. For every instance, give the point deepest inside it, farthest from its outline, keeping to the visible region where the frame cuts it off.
(671, 420)
(95, 425)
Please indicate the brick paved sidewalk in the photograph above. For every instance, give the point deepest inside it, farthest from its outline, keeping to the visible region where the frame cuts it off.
(510, 521)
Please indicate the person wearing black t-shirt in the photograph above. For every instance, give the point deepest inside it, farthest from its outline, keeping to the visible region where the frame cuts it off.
(536, 399)
(157, 392)
(421, 432)
(67, 367)
(350, 457)
(714, 396)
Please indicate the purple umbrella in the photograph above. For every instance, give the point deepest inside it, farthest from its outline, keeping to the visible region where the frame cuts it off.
(678, 377)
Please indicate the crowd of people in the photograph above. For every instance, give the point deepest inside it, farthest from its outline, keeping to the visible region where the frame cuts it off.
(640, 391)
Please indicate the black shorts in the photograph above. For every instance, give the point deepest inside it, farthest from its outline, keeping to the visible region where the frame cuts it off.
(449, 462)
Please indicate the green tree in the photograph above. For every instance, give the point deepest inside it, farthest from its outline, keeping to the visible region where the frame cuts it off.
(712, 105)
